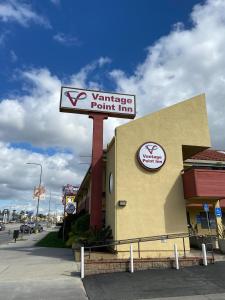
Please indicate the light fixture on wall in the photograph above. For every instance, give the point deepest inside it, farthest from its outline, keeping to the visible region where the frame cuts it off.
(122, 203)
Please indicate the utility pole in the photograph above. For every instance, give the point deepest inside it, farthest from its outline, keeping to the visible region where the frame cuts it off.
(49, 207)
(39, 188)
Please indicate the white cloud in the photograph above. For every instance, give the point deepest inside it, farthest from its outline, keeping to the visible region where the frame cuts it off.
(178, 66)
(3, 36)
(56, 2)
(36, 117)
(13, 55)
(13, 115)
(66, 40)
(104, 60)
(17, 179)
(182, 64)
(20, 12)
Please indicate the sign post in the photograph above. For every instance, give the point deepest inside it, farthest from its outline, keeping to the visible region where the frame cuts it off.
(206, 209)
(99, 106)
(97, 170)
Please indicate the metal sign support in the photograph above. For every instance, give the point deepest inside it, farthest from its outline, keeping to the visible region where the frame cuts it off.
(97, 170)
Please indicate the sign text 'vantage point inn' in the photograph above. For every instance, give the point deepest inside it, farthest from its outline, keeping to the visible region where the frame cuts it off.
(86, 101)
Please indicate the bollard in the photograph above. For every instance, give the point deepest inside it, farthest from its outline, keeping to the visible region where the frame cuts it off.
(176, 257)
(82, 262)
(131, 259)
(204, 255)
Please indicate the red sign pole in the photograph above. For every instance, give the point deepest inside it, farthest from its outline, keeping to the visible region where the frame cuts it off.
(97, 170)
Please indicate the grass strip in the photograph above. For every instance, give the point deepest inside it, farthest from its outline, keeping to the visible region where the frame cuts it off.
(52, 240)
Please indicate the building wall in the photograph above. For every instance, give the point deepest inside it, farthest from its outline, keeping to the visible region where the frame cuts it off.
(84, 199)
(155, 201)
(110, 214)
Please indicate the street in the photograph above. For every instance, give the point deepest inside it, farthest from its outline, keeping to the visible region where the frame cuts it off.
(7, 234)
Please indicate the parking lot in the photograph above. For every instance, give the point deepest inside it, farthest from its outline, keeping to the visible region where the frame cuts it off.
(193, 283)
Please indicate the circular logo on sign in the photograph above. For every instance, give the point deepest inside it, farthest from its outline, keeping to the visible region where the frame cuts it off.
(70, 208)
(151, 156)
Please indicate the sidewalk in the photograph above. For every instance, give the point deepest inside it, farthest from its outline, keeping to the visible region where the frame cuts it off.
(38, 273)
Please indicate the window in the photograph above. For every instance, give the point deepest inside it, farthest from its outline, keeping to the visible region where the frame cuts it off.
(110, 183)
(204, 223)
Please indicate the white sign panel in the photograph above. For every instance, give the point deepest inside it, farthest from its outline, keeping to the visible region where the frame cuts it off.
(151, 156)
(86, 101)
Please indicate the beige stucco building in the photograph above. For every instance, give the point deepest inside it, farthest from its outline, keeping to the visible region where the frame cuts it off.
(152, 200)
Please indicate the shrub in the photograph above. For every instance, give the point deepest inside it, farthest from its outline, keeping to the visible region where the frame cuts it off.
(82, 233)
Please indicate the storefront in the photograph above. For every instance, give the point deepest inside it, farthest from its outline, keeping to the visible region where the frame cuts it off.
(204, 177)
(143, 168)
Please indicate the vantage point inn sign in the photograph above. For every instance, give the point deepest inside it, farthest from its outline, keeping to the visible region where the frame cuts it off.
(151, 156)
(84, 101)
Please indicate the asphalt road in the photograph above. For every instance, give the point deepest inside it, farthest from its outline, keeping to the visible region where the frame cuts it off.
(7, 234)
(193, 283)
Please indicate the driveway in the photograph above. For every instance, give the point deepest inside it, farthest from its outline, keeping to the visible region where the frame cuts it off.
(194, 283)
(37, 273)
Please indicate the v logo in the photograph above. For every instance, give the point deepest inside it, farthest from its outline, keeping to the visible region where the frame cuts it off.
(73, 100)
(150, 150)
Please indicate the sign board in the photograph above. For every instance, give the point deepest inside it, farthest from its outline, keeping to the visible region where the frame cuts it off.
(70, 204)
(70, 199)
(39, 192)
(82, 101)
(206, 207)
(70, 208)
(151, 156)
(69, 189)
(218, 212)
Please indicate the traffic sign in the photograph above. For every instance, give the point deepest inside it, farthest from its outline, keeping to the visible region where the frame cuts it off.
(206, 207)
(218, 212)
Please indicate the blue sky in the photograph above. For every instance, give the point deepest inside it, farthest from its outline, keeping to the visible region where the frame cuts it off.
(76, 33)
(162, 51)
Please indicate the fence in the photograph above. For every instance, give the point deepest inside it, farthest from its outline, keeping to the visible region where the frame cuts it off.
(138, 241)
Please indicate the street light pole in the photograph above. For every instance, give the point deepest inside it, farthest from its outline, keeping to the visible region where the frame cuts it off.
(49, 208)
(39, 189)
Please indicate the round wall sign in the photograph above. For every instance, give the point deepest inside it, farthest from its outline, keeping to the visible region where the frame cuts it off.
(151, 156)
(110, 183)
(70, 208)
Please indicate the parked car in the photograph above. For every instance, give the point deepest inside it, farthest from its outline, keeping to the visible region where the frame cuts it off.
(2, 226)
(39, 228)
(27, 227)
(30, 227)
